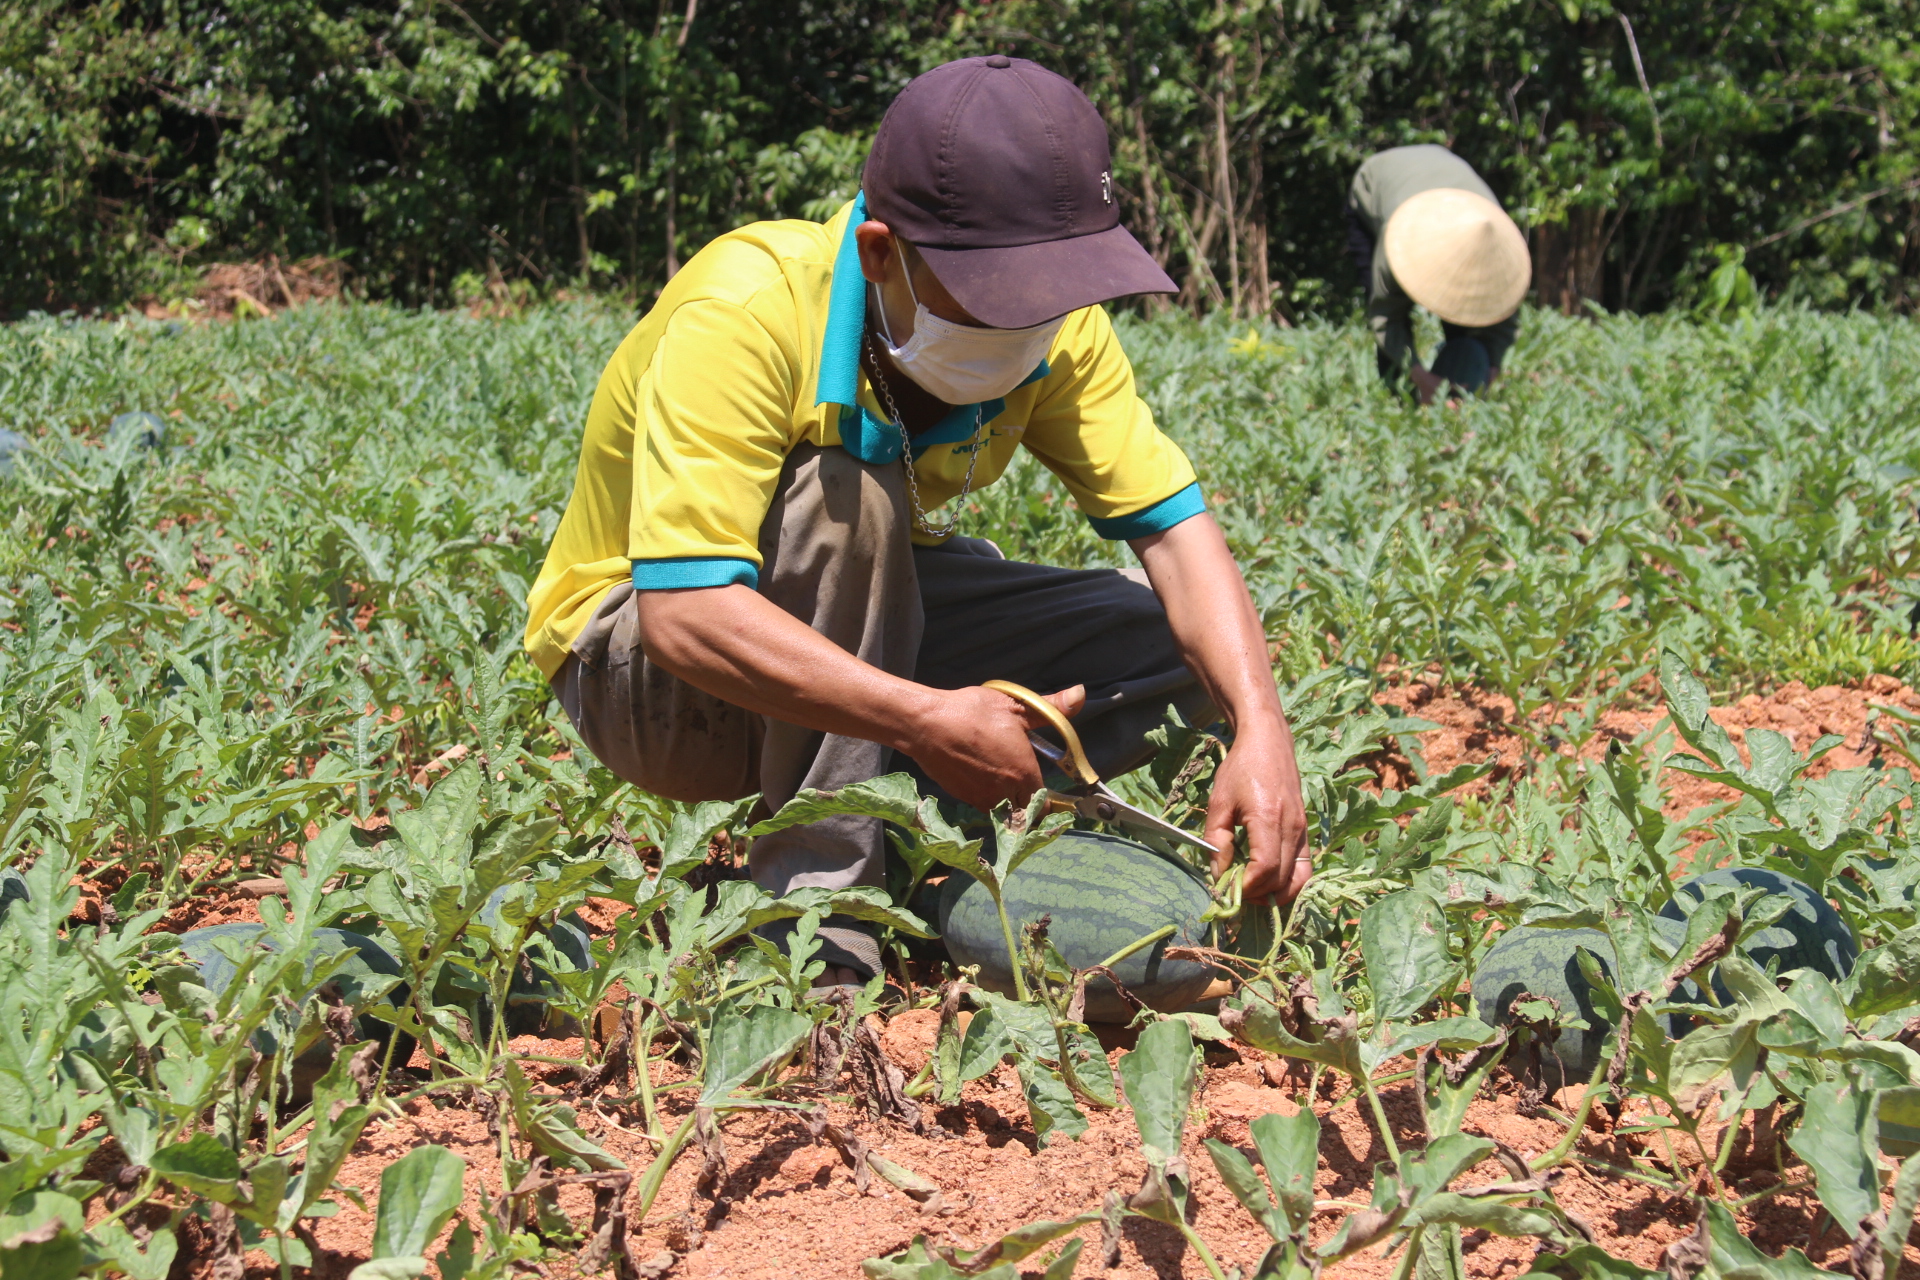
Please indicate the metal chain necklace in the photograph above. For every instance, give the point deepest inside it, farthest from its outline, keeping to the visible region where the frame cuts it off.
(906, 451)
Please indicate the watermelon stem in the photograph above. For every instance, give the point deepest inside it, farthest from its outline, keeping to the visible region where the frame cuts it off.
(1013, 951)
(1588, 1096)
(1380, 1119)
(1200, 1247)
(1164, 931)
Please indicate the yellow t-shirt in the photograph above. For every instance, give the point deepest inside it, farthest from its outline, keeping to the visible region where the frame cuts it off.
(754, 348)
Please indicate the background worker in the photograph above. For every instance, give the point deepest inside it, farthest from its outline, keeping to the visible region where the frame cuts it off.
(1423, 227)
(749, 590)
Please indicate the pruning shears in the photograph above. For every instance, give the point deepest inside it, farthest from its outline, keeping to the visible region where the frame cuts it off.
(1089, 797)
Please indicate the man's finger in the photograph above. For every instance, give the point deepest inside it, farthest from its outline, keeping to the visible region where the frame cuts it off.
(1219, 834)
(1069, 701)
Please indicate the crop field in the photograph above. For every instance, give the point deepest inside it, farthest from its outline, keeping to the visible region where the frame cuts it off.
(326, 949)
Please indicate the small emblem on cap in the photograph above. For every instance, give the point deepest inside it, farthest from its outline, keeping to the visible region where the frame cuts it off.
(1106, 186)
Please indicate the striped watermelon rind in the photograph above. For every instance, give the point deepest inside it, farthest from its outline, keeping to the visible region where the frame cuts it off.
(1542, 962)
(1102, 892)
(1810, 936)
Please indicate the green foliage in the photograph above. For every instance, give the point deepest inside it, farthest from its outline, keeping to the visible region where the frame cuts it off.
(278, 637)
(480, 152)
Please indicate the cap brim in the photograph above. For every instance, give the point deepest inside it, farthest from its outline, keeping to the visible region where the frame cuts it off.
(1025, 284)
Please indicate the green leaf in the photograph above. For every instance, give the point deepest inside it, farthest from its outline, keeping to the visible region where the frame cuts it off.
(918, 1262)
(1255, 1020)
(456, 1260)
(1238, 1175)
(1061, 1268)
(1159, 1078)
(1838, 1137)
(418, 1193)
(1403, 939)
(862, 902)
(50, 1251)
(389, 1269)
(1642, 959)
(1901, 1216)
(112, 1241)
(1014, 842)
(553, 1129)
(986, 1042)
(1886, 976)
(684, 846)
(1898, 1106)
(1289, 1147)
(1590, 1262)
(201, 1164)
(742, 1045)
(1447, 1207)
(1050, 1103)
(1736, 1257)
(1024, 1242)
(40, 1237)
(893, 798)
(1446, 1158)
(1392, 1039)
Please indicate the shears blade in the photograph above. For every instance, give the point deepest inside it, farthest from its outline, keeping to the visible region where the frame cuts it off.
(1101, 805)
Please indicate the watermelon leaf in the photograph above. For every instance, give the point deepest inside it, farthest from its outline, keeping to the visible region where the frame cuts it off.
(1289, 1147)
(418, 1193)
(1900, 1219)
(1256, 1020)
(1016, 840)
(1159, 1078)
(1049, 1102)
(684, 845)
(1734, 1254)
(986, 1042)
(1238, 1175)
(742, 1045)
(1445, 1098)
(1403, 939)
(1886, 976)
(1838, 1137)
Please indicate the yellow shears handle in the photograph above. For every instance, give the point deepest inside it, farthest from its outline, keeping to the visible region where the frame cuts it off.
(1074, 763)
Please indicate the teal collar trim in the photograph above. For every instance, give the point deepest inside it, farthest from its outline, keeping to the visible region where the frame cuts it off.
(866, 437)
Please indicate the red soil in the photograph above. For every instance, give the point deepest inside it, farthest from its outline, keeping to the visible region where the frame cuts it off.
(789, 1209)
(1475, 724)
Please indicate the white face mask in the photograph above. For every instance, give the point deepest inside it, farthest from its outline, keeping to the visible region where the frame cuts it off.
(961, 364)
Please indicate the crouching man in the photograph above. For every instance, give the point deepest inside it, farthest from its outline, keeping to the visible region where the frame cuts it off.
(753, 589)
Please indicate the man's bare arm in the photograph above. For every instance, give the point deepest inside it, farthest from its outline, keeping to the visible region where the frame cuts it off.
(1224, 645)
(733, 643)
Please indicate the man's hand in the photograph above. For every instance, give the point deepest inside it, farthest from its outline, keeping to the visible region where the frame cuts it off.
(1427, 384)
(973, 742)
(1258, 788)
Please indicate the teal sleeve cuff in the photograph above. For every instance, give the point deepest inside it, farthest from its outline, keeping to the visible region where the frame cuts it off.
(1158, 518)
(677, 573)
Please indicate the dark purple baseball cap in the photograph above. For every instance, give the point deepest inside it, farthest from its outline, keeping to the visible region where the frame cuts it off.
(998, 172)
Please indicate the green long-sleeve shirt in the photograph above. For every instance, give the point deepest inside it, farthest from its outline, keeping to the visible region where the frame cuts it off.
(1382, 184)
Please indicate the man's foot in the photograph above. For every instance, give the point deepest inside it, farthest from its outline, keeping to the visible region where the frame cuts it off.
(834, 977)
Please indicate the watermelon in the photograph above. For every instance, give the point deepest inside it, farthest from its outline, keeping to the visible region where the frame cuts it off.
(1810, 936)
(1542, 962)
(13, 888)
(367, 972)
(532, 986)
(1102, 892)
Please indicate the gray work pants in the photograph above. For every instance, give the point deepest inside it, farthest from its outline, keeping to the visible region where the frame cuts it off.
(838, 557)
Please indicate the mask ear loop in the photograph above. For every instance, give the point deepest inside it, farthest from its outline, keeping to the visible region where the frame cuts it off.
(880, 301)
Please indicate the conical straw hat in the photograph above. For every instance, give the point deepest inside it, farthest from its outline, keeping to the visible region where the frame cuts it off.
(1458, 255)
